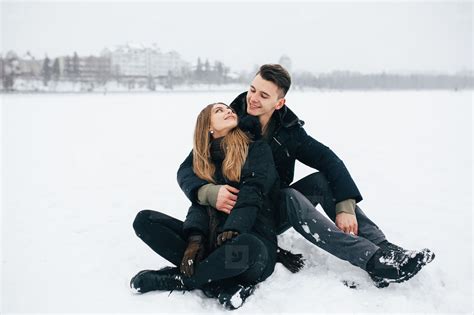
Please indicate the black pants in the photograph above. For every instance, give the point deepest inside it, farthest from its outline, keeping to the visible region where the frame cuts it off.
(297, 210)
(243, 260)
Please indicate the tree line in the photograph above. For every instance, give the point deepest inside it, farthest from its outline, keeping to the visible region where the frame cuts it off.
(97, 71)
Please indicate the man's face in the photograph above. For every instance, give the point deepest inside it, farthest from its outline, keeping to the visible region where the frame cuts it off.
(263, 97)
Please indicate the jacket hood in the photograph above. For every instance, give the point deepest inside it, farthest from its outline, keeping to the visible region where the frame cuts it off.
(284, 115)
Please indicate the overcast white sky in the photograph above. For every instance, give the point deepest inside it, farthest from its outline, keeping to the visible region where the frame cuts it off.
(317, 36)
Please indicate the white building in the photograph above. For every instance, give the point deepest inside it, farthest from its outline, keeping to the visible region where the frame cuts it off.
(143, 61)
(29, 66)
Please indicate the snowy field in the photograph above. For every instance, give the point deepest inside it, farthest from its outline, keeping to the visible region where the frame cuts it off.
(77, 169)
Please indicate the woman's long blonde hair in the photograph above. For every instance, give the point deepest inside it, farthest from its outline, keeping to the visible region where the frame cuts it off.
(235, 146)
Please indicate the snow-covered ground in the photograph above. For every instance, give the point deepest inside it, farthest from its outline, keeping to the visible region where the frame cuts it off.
(78, 167)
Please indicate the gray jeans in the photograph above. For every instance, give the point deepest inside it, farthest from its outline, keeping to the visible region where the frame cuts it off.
(298, 211)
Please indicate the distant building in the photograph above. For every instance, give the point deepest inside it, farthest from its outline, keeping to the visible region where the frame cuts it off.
(10, 68)
(95, 66)
(285, 61)
(90, 67)
(171, 62)
(142, 61)
(11, 64)
(29, 66)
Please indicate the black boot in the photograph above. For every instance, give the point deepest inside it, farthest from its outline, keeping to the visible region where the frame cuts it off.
(212, 290)
(165, 279)
(390, 246)
(392, 266)
(234, 297)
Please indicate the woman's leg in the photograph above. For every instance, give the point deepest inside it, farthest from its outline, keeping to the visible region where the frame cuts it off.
(164, 234)
(244, 259)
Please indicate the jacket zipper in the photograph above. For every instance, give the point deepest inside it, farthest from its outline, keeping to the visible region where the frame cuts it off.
(286, 150)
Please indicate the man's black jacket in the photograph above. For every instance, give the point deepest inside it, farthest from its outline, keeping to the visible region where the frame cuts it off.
(289, 142)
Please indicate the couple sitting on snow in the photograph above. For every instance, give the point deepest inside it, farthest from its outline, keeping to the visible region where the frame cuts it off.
(238, 178)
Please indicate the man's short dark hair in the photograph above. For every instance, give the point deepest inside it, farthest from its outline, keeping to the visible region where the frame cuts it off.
(277, 74)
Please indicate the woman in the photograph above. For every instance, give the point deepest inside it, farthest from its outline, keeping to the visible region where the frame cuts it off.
(225, 255)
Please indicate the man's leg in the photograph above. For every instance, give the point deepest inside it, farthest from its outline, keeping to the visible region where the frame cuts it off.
(322, 232)
(315, 188)
(385, 262)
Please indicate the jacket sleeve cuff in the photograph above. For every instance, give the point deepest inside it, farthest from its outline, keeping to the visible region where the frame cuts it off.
(207, 195)
(195, 238)
(346, 206)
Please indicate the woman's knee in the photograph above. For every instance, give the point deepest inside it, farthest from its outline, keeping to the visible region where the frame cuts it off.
(252, 253)
(249, 247)
(144, 218)
(140, 219)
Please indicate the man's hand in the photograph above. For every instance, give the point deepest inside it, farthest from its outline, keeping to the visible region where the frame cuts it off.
(226, 198)
(347, 223)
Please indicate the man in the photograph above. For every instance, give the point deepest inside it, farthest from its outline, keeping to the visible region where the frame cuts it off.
(350, 234)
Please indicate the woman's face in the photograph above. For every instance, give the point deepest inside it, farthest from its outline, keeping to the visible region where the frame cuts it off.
(223, 120)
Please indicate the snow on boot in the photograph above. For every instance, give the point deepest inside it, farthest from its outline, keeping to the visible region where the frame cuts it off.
(393, 266)
(165, 279)
(234, 297)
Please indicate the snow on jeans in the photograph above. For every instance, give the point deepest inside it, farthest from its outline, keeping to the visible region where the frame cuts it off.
(297, 210)
(244, 259)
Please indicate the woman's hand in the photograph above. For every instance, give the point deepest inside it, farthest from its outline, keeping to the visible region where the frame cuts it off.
(192, 255)
(225, 236)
